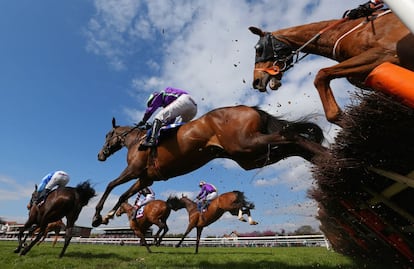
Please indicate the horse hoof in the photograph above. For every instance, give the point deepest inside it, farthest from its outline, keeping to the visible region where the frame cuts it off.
(105, 220)
(17, 250)
(254, 223)
(97, 220)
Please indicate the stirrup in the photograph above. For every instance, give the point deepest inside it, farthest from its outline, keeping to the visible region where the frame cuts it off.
(152, 142)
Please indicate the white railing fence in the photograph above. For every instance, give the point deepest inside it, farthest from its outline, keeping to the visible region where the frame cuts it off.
(262, 241)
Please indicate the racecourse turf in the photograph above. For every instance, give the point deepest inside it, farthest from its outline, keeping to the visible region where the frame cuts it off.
(116, 256)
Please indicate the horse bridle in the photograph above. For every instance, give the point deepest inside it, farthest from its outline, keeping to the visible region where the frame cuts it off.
(273, 49)
(109, 149)
(279, 51)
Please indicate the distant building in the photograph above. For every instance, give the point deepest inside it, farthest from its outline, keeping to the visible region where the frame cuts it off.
(11, 229)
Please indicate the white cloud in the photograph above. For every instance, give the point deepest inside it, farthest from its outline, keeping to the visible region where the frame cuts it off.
(206, 48)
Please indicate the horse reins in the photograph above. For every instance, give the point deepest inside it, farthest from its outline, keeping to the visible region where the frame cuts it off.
(356, 27)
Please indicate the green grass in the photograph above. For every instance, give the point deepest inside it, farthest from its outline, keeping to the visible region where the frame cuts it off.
(116, 256)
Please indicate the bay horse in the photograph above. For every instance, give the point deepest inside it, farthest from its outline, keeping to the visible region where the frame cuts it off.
(62, 202)
(155, 212)
(358, 45)
(233, 202)
(249, 136)
(55, 226)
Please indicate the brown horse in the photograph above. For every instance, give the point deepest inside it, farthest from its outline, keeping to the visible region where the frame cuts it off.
(155, 212)
(55, 226)
(233, 202)
(247, 135)
(358, 45)
(63, 202)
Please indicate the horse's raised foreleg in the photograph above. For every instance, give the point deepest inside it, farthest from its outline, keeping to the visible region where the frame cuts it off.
(125, 176)
(138, 185)
(356, 67)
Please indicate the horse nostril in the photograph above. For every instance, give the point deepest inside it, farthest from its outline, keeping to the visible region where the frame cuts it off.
(256, 82)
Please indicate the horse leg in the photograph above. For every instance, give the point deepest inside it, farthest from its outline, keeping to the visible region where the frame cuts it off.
(156, 236)
(125, 176)
(240, 216)
(353, 67)
(142, 239)
(68, 237)
(28, 225)
(29, 247)
(247, 212)
(19, 238)
(57, 231)
(164, 228)
(199, 230)
(189, 228)
(140, 184)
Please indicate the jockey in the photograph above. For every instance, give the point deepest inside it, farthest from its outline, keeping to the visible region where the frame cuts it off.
(148, 194)
(207, 193)
(56, 178)
(364, 10)
(177, 106)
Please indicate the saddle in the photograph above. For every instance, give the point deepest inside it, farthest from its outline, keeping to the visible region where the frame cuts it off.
(164, 131)
(140, 212)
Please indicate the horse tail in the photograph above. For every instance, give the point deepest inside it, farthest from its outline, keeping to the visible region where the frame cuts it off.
(174, 203)
(303, 127)
(308, 130)
(85, 191)
(241, 199)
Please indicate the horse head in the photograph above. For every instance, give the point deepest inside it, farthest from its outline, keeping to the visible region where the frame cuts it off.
(33, 198)
(114, 140)
(273, 57)
(121, 210)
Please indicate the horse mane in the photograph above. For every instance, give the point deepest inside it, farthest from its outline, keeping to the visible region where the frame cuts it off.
(85, 191)
(303, 126)
(174, 203)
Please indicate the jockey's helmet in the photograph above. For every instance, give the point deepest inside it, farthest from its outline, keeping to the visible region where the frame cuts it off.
(202, 183)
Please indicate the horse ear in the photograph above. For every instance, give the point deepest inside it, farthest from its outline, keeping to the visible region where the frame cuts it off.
(256, 31)
(113, 122)
(35, 187)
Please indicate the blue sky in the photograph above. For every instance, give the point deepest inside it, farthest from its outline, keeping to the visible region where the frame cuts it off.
(68, 67)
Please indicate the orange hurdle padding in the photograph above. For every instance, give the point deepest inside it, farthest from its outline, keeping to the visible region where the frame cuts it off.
(394, 80)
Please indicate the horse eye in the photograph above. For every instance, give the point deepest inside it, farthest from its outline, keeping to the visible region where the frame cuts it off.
(259, 49)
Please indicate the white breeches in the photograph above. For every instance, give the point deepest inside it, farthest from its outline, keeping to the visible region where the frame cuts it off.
(59, 179)
(146, 200)
(183, 109)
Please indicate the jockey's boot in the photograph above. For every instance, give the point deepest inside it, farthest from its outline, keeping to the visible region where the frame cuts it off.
(152, 141)
(204, 206)
(134, 212)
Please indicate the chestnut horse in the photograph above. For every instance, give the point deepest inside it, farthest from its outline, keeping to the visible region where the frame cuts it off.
(233, 202)
(247, 135)
(155, 212)
(358, 45)
(62, 202)
(55, 226)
